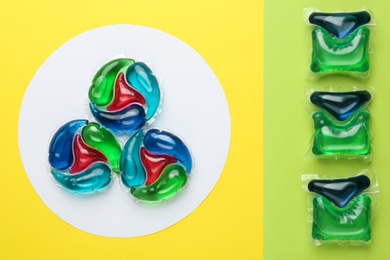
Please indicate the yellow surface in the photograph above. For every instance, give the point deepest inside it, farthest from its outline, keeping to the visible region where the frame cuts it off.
(288, 129)
(228, 34)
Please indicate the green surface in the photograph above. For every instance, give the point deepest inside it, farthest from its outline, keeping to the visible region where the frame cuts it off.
(288, 129)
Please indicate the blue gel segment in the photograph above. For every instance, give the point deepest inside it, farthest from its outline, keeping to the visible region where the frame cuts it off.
(340, 24)
(162, 142)
(127, 120)
(60, 148)
(133, 173)
(340, 191)
(141, 78)
(94, 179)
(341, 104)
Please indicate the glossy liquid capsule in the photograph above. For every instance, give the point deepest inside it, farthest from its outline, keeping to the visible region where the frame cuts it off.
(340, 24)
(124, 95)
(104, 141)
(80, 154)
(95, 178)
(348, 55)
(155, 165)
(60, 148)
(341, 104)
(133, 172)
(340, 191)
(352, 223)
(101, 91)
(129, 119)
(163, 142)
(141, 78)
(349, 139)
(172, 180)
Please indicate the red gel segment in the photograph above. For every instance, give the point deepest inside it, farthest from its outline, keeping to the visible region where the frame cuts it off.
(85, 156)
(124, 96)
(154, 164)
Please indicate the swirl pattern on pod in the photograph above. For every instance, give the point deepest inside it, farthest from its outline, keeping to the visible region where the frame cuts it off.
(81, 156)
(155, 165)
(124, 95)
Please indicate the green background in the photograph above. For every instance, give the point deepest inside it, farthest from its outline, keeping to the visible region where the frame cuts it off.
(288, 128)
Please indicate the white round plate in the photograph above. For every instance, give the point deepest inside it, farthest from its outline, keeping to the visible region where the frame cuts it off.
(194, 108)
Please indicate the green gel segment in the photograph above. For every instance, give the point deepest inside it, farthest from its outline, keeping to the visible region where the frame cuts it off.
(352, 223)
(348, 139)
(101, 92)
(347, 55)
(101, 139)
(171, 181)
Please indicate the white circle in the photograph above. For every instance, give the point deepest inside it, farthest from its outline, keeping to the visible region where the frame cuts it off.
(194, 108)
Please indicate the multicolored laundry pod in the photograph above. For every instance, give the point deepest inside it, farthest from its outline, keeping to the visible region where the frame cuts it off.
(82, 156)
(155, 165)
(124, 95)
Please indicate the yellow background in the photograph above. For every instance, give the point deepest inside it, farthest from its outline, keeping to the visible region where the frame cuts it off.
(288, 129)
(228, 34)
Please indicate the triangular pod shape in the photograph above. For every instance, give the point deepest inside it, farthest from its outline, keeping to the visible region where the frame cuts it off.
(341, 104)
(340, 24)
(340, 191)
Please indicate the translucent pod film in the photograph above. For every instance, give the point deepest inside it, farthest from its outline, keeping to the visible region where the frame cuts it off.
(341, 121)
(340, 42)
(155, 165)
(124, 95)
(82, 156)
(340, 210)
